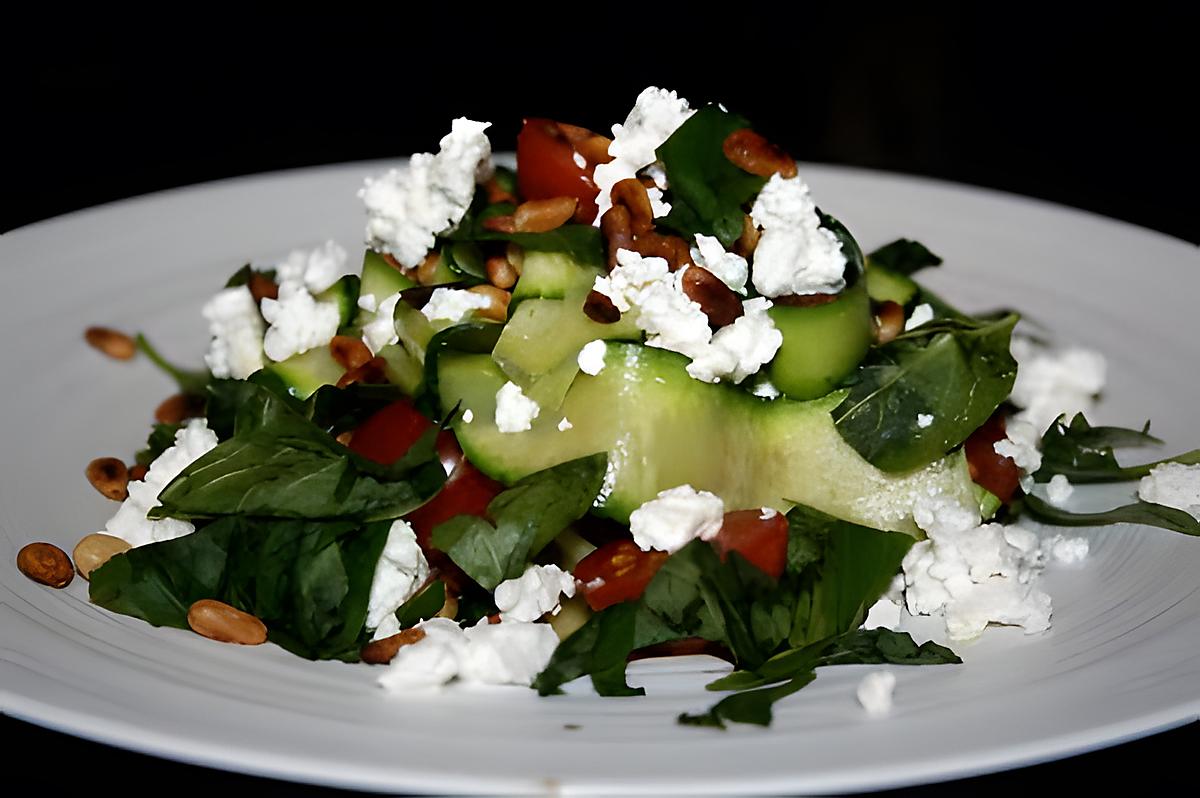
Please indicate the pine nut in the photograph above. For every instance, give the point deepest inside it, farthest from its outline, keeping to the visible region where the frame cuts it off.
(748, 241)
(615, 227)
(262, 287)
(501, 273)
(752, 153)
(381, 652)
(109, 476)
(350, 353)
(717, 300)
(497, 194)
(113, 343)
(344, 438)
(371, 373)
(449, 608)
(177, 408)
(889, 322)
(498, 309)
(600, 309)
(216, 620)
(137, 472)
(673, 249)
(500, 224)
(427, 271)
(94, 550)
(46, 564)
(515, 254)
(632, 194)
(544, 215)
(594, 149)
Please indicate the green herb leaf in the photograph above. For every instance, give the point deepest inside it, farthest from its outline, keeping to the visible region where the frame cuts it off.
(280, 464)
(707, 191)
(308, 581)
(527, 517)
(243, 276)
(162, 437)
(884, 646)
(751, 706)
(422, 606)
(1140, 512)
(904, 256)
(1083, 453)
(465, 257)
(959, 377)
(189, 382)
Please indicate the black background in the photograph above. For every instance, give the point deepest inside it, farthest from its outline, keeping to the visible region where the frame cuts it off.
(1089, 108)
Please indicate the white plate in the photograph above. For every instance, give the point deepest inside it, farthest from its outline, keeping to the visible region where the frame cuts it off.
(1122, 660)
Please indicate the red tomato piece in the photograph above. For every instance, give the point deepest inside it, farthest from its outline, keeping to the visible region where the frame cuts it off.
(616, 572)
(762, 541)
(546, 168)
(390, 432)
(995, 472)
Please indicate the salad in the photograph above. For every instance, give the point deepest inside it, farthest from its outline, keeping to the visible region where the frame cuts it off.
(640, 396)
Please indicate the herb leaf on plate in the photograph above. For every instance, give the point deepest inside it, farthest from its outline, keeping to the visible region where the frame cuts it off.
(904, 256)
(308, 581)
(958, 375)
(1083, 453)
(1140, 512)
(527, 517)
(189, 382)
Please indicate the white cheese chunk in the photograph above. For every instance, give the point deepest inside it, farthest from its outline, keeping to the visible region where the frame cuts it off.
(237, 329)
(924, 420)
(508, 652)
(192, 442)
(591, 357)
(298, 323)
(401, 570)
(1021, 444)
(1173, 485)
(534, 593)
(408, 208)
(431, 661)
(515, 411)
(874, 693)
(676, 517)
(1058, 490)
(795, 255)
(1053, 382)
(740, 349)
(922, 314)
(731, 268)
(381, 330)
(656, 114)
(453, 304)
(565, 425)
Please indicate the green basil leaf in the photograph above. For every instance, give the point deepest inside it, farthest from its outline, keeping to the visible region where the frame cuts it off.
(308, 581)
(904, 256)
(884, 646)
(1140, 512)
(958, 377)
(707, 191)
(422, 606)
(1083, 453)
(527, 516)
(751, 706)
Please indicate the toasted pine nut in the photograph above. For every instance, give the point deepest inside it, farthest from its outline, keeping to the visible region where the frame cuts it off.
(615, 227)
(718, 301)
(889, 322)
(600, 309)
(673, 249)
(515, 255)
(632, 194)
(498, 310)
(752, 153)
(371, 373)
(573, 133)
(427, 271)
(46, 564)
(805, 300)
(381, 652)
(500, 272)
(94, 550)
(500, 224)
(216, 620)
(111, 342)
(109, 476)
(496, 193)
(179, 407)
(344, 438)
(137, 472)
(350, 353)
(262, 287)
(594, 149)
(748, 241)
(544, 215)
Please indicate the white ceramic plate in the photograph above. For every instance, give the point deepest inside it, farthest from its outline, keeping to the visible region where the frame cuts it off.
(1122, 660)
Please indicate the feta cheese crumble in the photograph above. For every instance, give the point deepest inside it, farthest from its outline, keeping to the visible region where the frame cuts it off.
(1051, 383)
(515, 411)
(468, 416)
(973, 574)
(408, 208)
(534, 593)
(236, 326)
(1021, 444)
(298, 320)
(130, 523)
(922, 314)
(676, 517)
(1173, 485)
(591, 357)
(874, 693)
(924, 420)
(795, 255)
(381, 330)
(453, 304)
(656, 114)
(400, 572)
(314, 270)
(740, 349)
(565, 425)
(730, 267)
(1058, 490)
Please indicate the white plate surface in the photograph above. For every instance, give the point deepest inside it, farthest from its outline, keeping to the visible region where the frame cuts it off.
(1122, 660)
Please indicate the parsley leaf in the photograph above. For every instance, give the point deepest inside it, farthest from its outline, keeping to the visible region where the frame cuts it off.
(1083, 453)
(904, 256)
(1140, 512)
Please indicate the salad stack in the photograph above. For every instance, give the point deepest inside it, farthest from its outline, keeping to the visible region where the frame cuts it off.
(640, 396)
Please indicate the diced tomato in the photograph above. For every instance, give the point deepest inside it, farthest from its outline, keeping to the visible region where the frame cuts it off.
(616, 572)
(546, 168)
(995, 472)
(762, 541)
(390, 432)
